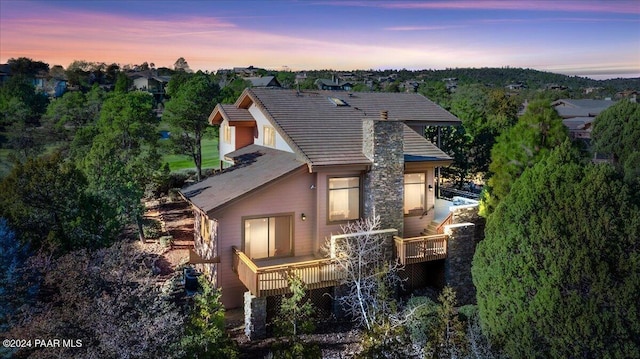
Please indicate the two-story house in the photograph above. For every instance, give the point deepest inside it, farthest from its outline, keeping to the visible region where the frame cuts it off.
(297, 165)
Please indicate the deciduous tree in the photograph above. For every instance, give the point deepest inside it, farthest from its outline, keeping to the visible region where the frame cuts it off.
(109, 300)
(363, 256)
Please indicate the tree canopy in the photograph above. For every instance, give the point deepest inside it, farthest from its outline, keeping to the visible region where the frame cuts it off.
(46, 201)
(121, 157)
(558, 272)
(616, 131)
(538, 130)
(187, 113)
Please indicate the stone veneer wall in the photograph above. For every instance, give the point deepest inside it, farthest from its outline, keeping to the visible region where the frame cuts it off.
(457, 267)
(383, 144)
(207, 248)
(465, 233)
(255, 316)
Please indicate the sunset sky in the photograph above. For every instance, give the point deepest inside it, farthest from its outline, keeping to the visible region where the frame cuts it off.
(598, 39)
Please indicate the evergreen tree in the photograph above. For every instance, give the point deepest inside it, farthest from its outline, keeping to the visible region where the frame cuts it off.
(538, 131)
(187, 113)
(616, 131)
(558, 273)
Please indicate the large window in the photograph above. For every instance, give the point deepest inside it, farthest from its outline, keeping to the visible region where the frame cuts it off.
(268, 237)
(344, 198)
(269, 136)
(414, 193)
(226, 133)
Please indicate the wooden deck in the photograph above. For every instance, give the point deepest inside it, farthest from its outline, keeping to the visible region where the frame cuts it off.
(421, 249)
(270, 277)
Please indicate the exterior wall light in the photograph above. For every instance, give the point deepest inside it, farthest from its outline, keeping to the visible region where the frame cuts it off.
(303, 217)
(430, 188)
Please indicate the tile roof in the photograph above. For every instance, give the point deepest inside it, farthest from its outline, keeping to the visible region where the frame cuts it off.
(233, 114)
(327, 134)
(568, 108)
(417, 148)
(254, 167)
(264, 81)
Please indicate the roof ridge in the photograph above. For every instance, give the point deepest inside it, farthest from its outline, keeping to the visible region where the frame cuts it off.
(251, 93)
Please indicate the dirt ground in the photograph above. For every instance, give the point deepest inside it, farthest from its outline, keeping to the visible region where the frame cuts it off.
(177, 220)
(336, 339)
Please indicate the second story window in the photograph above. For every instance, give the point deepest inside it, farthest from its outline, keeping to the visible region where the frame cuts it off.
(269, 136)
(414, 193)
(226, 133)
(344, 198)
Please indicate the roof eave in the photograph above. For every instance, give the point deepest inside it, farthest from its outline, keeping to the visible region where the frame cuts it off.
(217, 115)
(259, 188)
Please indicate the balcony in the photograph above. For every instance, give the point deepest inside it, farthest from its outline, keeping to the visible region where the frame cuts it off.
(270, 277)
(421, 249)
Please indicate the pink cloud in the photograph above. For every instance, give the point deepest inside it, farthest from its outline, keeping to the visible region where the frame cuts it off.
(627, 7)
(423, 28)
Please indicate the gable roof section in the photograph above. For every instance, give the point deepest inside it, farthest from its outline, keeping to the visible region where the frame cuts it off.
(255, 166)
(235, 116)
(264, 81)
(326, 134)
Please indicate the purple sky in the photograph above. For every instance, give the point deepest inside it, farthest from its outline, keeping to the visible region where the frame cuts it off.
(598, 39)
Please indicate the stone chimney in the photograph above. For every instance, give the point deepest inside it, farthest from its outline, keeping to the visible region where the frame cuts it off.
(382, 143)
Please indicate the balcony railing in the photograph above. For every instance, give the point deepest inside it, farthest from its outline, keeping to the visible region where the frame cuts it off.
(421, 249)
(269, 280)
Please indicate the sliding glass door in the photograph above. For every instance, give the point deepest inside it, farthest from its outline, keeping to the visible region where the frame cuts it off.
(268, 237)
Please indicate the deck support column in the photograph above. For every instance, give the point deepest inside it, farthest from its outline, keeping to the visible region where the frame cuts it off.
(255, 316)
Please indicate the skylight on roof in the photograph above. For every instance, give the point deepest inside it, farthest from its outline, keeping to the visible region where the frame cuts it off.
(338, 102)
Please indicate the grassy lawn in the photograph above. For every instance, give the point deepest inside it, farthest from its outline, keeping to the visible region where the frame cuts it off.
(209, 157)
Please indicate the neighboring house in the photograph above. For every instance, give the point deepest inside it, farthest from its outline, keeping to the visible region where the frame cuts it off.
(516, 86)
(410, 86)
(147, 81)
(333, 85)
(42, 82)
(578, 115)
(451, 83)
(264, 81)
(632, 95)
(247, 71)
(298, 165)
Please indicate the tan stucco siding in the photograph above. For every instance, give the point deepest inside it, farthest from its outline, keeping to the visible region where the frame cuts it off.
(291, 195)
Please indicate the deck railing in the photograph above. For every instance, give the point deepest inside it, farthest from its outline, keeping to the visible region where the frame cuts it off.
(264, 281)
(421, 249)
(447, 221)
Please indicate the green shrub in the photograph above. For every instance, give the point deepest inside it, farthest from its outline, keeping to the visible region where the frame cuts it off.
(385, 340)
(165, 241)
(295, 318)
(151, 228)
(205, 336)
(467, 312)
(422, 314)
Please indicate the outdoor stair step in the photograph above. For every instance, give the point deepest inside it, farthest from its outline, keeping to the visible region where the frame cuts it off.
(432, 228)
